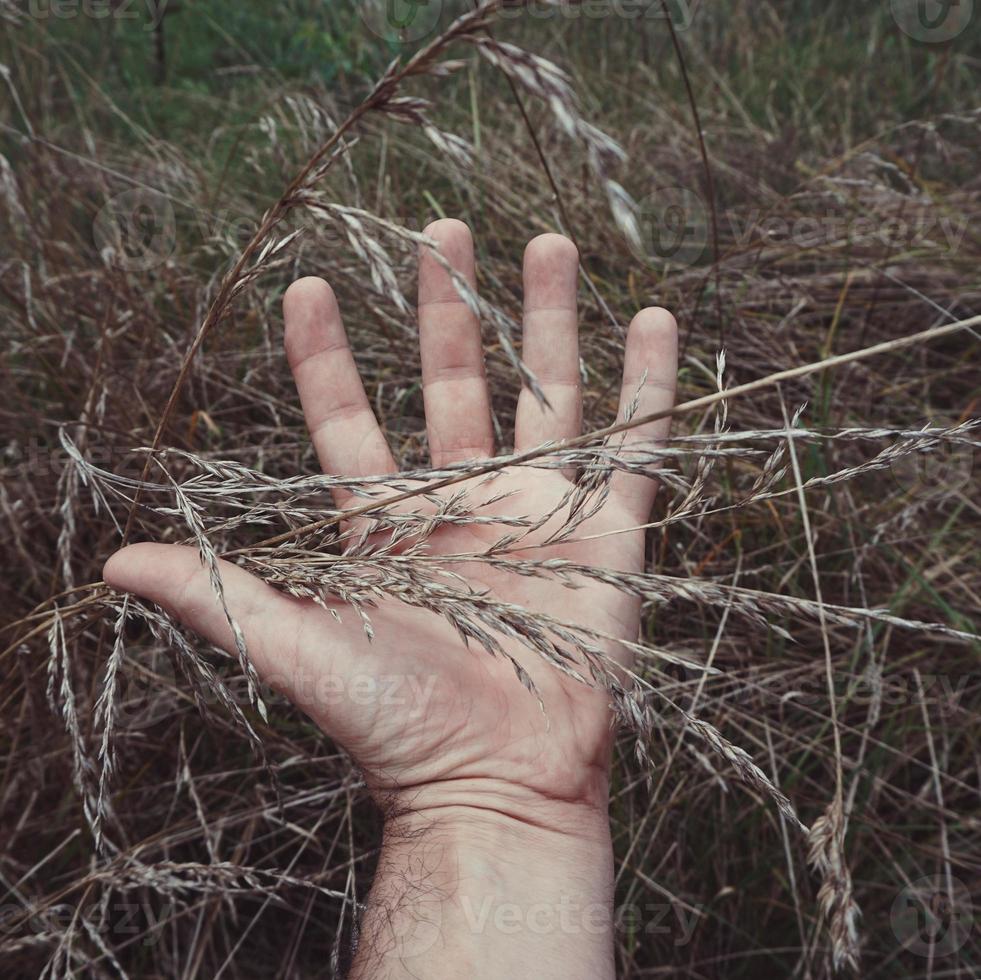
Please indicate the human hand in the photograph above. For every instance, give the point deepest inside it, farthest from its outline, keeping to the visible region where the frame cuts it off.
(446, 728)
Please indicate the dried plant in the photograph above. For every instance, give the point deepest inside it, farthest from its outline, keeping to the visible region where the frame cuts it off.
(799, 560)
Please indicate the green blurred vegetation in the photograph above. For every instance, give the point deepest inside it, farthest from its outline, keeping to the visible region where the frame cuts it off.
(217, 57)
(822, 70)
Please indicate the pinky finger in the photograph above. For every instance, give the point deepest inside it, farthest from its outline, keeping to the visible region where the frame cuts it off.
(650, 373)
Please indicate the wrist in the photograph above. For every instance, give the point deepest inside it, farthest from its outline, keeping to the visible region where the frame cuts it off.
(466, 842)
(577, 805)
(483, 890)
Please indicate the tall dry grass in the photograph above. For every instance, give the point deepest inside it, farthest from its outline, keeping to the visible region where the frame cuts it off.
(798, 745)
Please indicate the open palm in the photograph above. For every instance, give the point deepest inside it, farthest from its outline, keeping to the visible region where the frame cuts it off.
(429, 719)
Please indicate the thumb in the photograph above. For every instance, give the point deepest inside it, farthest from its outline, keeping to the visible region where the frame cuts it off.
(173, 577)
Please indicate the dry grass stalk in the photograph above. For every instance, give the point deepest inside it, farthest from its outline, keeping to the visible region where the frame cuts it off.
(157, 733)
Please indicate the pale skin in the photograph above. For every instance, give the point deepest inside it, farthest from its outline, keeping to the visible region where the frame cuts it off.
(496, 860)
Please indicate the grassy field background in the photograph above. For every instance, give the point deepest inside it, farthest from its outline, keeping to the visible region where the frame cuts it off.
(835, 207)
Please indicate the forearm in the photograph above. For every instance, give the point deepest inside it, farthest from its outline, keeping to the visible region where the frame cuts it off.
(464, 891)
